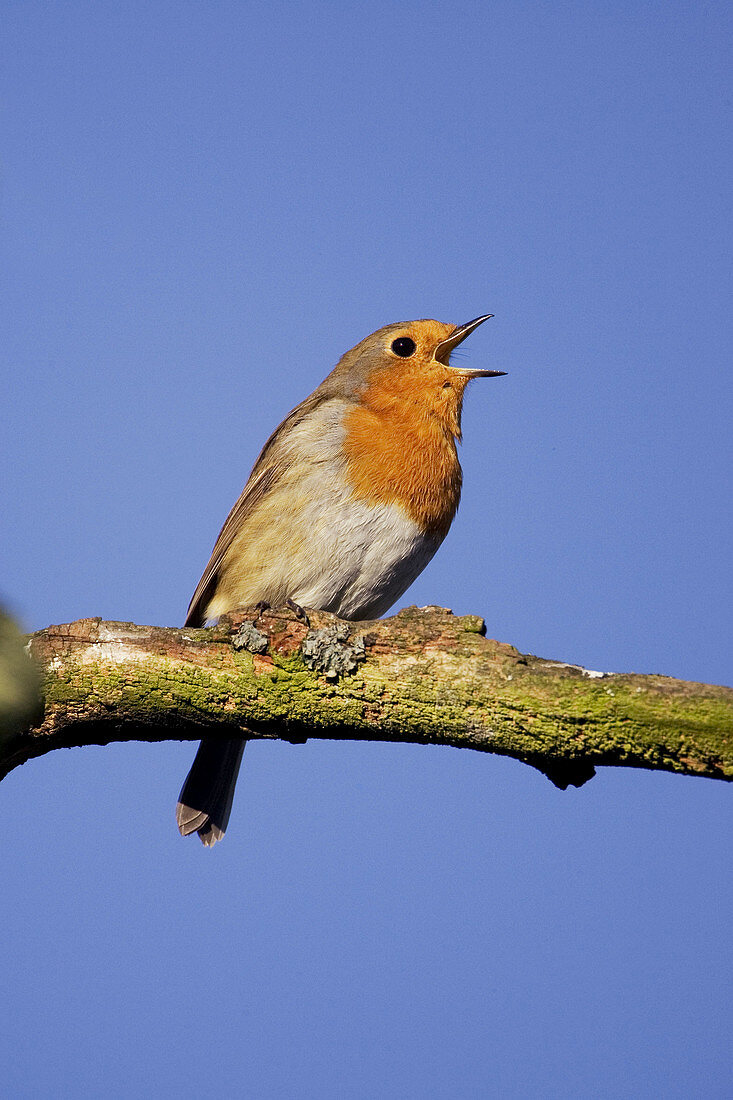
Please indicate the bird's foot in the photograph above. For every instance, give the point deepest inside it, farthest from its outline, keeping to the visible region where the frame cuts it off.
(299, 611)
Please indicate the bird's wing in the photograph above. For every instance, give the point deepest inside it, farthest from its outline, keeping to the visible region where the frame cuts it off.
(259, 483)
(266, 472)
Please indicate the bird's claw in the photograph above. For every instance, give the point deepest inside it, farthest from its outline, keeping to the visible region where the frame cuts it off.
(299, 611)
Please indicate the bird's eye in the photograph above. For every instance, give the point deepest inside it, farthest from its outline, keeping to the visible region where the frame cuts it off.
(403, 347)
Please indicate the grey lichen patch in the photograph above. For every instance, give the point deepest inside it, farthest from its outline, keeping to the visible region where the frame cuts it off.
(250, 638)
(333, 651)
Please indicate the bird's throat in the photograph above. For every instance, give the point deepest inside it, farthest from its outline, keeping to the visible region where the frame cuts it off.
(400, 449)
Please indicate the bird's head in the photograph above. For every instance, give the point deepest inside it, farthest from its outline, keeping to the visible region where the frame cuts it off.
(407, 366)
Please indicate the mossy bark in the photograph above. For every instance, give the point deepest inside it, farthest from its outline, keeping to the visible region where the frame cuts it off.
(423, 676)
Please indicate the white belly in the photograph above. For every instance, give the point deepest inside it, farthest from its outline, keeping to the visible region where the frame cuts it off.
(373, 553)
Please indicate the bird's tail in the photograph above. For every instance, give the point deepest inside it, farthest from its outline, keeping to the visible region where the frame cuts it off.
(206, 797)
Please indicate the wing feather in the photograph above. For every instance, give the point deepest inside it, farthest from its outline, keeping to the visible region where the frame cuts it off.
(255, 489)
(266, 472)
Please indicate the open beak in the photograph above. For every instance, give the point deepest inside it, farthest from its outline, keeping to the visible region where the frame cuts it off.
(459, 334)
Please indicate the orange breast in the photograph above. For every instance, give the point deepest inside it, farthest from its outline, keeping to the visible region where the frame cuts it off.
(400, 446)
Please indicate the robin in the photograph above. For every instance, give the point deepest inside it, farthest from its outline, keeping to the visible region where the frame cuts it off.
(347, 503)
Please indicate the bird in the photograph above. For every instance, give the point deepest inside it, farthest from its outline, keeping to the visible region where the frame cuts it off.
(348, 501)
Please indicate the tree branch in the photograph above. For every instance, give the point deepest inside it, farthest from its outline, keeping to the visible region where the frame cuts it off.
(423, 676)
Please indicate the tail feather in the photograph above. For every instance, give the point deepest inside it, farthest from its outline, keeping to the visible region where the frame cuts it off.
(206, 797)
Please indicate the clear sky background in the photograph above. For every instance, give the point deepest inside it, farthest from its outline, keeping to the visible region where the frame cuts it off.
(203, 206)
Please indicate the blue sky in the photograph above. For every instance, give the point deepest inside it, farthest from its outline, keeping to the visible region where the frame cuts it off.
(203, 207)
